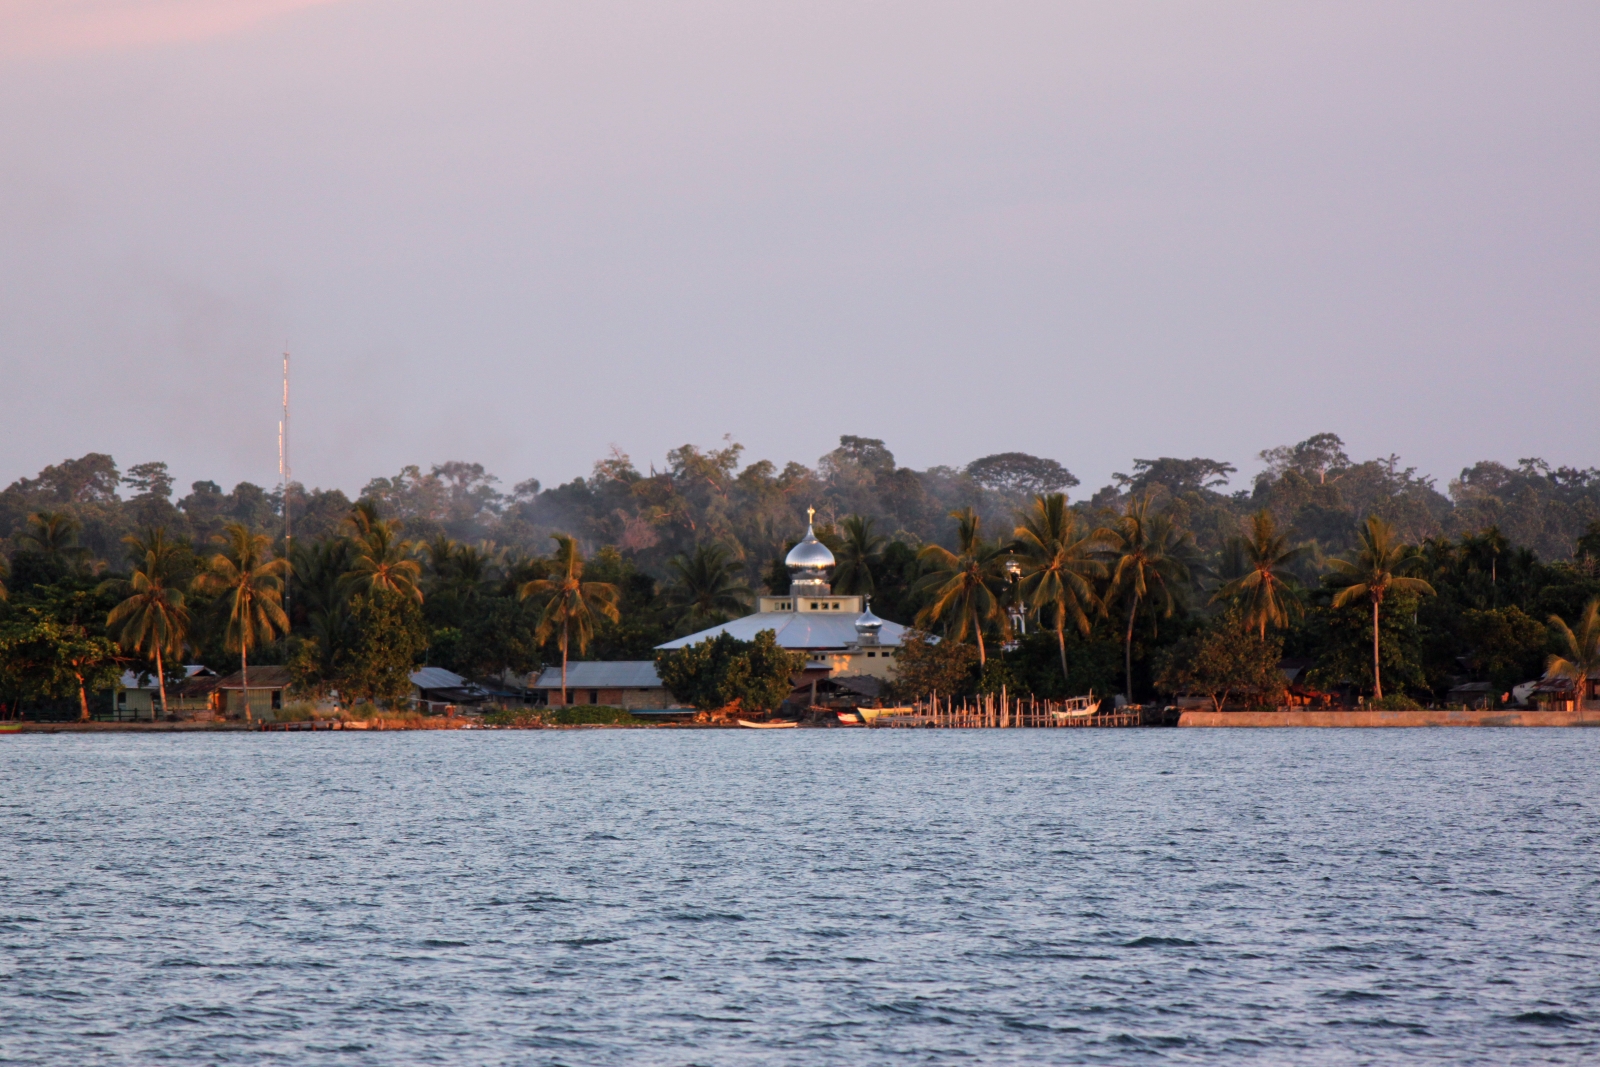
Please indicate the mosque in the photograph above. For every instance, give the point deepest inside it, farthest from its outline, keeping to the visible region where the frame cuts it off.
(839, 634)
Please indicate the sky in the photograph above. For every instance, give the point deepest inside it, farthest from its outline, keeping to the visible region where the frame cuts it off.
(521, 233)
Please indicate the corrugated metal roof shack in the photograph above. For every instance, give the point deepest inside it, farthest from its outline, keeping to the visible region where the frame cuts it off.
(435, 689)
(613, 684)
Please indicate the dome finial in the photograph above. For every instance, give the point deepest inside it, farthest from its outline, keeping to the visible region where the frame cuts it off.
(810, 563)
(868, 626)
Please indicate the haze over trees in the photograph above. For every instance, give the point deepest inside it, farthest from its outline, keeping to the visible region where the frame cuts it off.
(1052, 594)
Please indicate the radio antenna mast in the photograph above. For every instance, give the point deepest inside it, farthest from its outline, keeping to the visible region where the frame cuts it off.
(283, 474)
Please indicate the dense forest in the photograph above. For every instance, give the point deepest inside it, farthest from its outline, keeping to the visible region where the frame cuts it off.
(443, 562)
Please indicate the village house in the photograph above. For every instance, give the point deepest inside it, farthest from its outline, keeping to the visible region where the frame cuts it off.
(268, 685)
(138, 695)
(616, 684)
(1555, 694)
(435, 690)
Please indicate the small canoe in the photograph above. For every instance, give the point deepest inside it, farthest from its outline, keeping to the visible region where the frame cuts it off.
(767, 725)
(10, 727)
(849, 718)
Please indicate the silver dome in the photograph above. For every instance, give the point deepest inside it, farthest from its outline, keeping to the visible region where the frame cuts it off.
(810, 558)
(867, 622)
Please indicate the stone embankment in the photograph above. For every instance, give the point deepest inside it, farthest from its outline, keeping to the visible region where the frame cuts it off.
(1506, 717)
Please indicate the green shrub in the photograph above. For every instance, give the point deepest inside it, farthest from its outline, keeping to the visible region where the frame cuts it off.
(590, 715)
(1396, 702)
(522, 717)
(296, 712)
(581, 715)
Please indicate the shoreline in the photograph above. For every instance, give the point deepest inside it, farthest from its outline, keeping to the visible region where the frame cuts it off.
(1380, 719)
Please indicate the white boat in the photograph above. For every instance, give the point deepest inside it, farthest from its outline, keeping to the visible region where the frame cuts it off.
(1077, 708)
(747, 724)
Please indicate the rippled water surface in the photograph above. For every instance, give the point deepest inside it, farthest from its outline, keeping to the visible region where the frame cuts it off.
(583, 897)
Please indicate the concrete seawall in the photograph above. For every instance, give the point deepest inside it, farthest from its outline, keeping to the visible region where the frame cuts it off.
(1509, 717)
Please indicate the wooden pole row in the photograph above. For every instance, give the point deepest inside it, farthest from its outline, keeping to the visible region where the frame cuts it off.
(999, 711)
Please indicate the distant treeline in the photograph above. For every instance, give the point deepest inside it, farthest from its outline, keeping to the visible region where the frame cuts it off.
(1314, 491)
(446, 568)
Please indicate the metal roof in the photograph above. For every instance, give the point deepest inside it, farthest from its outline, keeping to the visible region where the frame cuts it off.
(602, 674)
(437, 678)
(132, 679)
(798, 630)
(264, 677)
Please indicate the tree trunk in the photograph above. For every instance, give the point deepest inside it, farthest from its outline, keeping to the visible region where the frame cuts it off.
(1377, 682)
(982, 659)
(1127, 653)
(161, 680)
(244, 680)
(83, 701)
(1061, 643)
(563, 666)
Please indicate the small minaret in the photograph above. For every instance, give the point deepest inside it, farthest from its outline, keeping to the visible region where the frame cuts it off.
(868, 626)
(810, 563)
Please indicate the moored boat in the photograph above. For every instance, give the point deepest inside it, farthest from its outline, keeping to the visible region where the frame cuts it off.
(767, 725)
(1078, 708)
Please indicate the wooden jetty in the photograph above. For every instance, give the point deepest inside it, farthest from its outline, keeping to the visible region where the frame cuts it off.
(997, 711)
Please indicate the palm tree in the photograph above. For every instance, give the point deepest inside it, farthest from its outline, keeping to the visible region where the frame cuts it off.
(1378, 569)
(1149, 557)
(382, 561)
(964, 584)
(1265, 591)
(859, 549)
(54, 534)
(441, 551)
(570, 603)
(152, 620)
(1056, 557)
(708, 584)
(1580, 651)
(321, 593)
(253, 584)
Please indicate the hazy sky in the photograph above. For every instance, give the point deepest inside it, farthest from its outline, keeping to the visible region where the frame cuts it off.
(519, 232)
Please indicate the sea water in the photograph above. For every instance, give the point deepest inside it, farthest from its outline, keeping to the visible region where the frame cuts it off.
(806, 897)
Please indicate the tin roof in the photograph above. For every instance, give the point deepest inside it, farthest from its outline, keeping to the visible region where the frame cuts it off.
(264, 677)
(141, 680)
(436, 678)
(796, 630)
(602, 674)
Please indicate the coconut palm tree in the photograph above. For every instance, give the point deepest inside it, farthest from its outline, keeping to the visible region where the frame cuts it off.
(1580, 651)
(1379, 567)
(382, 561)
(1265, 592)
(1056, 554)
(964, 586)
(54, 534)
(152, 620)
(1149, 559)
(253, 583)
(859, 548)
(570, 603)
(441, 551)
(707, 585)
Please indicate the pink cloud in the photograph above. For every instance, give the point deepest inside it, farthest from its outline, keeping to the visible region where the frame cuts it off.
(62, 26)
